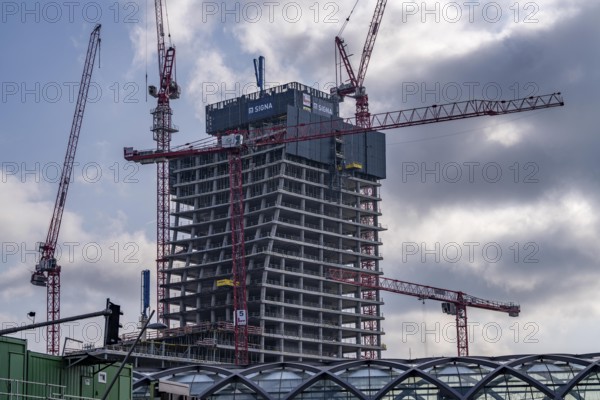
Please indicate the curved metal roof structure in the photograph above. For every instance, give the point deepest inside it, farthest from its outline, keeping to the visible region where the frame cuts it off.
(550, 376)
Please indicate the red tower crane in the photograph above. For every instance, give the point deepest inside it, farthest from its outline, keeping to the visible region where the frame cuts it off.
(355, 87)
(454, 303)
(162, 129)
(47, 272)
(235, 143)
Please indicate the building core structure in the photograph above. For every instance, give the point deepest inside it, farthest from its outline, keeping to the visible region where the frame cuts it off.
(308, 206)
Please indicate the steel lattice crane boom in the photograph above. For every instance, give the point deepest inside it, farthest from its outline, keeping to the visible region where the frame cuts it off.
(47, 272)
(339, 127)
(355, 87)
(235, 143)
(454, 302)
(163, 128)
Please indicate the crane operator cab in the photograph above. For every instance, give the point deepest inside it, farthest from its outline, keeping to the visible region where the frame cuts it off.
(174, 90)
(232, 141)
(39, 279)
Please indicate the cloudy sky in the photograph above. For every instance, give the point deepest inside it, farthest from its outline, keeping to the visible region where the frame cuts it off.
(502, 208)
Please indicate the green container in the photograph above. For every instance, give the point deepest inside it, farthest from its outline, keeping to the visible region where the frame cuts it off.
(26, 373)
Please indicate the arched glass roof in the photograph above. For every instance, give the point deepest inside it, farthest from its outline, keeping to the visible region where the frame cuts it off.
(551, 373)
(461, 376)
(508, 386)
(369, 378)
(278, 382)
(530, 377)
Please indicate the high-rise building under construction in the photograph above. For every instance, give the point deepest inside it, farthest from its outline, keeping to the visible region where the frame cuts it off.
(308, 206)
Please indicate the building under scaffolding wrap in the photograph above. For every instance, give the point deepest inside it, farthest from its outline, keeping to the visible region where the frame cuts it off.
(308, 206)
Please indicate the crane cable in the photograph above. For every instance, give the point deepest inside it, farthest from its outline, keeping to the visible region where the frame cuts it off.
(146, 50)
(347, 20)
(168, 27)
(335, 53)
(99, 51)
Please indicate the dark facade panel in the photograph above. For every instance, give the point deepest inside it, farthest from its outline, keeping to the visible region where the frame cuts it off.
(354, 149)
(375, 154)
(366, 149)
(323, 107)
(319, 150)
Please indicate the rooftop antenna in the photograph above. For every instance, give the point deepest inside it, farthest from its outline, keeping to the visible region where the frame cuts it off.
(259, 72)
(145, 296)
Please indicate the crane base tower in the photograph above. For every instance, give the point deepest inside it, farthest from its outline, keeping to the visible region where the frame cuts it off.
(308, 207)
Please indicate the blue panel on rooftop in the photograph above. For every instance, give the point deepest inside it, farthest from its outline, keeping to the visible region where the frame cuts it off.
(268, 104)
(261, 108)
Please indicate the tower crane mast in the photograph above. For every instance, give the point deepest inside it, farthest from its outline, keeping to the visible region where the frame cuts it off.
(162, 129)
(355, 87)
(237, 142)
(454, 302)
(47, 272)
